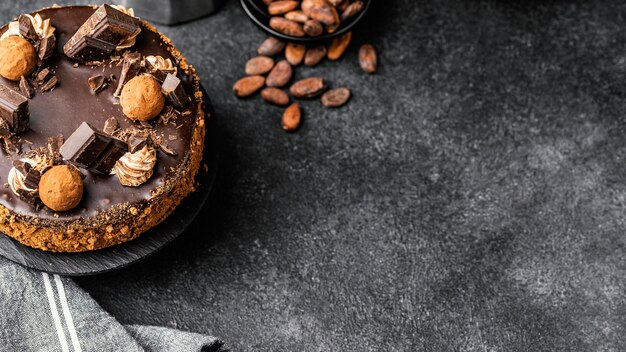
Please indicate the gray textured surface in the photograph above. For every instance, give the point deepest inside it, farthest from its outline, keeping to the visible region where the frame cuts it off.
(471, 197)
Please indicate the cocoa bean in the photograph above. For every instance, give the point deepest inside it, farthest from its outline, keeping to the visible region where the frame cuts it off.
(314, 55)
(322, 11)
(332, 29)
(282, 6)
(294, 53)
(279, 75)
(291, 117)
(338, 46)
(313, 28)
(248, 85)
(275, 96)
(368, 59)
(307, 88)
(259, 65)
(352, 10)
(297, 16)
(335, 98)
(286, 26)
(270, 47)
(342, 6)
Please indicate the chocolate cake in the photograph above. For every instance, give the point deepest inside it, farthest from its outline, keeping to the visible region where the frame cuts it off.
(101, 127)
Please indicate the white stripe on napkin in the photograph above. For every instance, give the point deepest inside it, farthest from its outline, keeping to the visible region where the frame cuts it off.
(66, 313)
(55, 313)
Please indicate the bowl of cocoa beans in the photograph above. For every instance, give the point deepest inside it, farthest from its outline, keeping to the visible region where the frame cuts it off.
(306, 21)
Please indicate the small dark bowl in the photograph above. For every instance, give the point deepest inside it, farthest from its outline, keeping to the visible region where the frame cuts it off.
(257, 11)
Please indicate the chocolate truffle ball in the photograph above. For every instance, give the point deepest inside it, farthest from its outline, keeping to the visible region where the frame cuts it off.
(61, 188)
(17, 58)
(141, 98)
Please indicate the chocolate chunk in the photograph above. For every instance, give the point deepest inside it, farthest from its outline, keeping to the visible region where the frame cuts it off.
(174, 91)
(136, 142)
(26, 89)
(32, 179)
(43, 75)
(98, 37)
(5, 131)
(130, 69)
(89, 49)
(21, 166)
(166, 148)
(46, 47)
(92, 149)
(27, 30)
(158, 74)
(110, 125)
(97, 83)
(50, 84)
(110, 156)
(14, 110)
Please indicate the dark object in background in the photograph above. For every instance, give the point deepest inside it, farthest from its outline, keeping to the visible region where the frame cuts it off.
(257, 11)
(172, 11)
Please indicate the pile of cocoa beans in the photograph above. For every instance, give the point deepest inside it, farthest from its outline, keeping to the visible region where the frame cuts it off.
(310, 17)
(263, 72)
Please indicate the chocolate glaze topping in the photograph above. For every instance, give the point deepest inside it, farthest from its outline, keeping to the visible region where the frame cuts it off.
(71, 102)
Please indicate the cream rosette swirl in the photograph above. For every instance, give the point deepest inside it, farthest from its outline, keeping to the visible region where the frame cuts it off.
(133, 169)
(42, 27)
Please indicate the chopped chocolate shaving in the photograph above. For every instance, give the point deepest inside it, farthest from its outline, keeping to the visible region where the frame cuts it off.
(11, 145)
(5, 131)
(43, 75)
(167, 115)
(166, 148)
(92, 149)
(172, 137)
(26, 89)
(50, 84)
(27, 30)
(54, 147)
(145, 125)
(94, 63)
(174, 91)
(113, 77)
(130, 69)
(31, 198)
(110, 125)
(97, 83)
(46, 47)
(98, 37)
(14, 110)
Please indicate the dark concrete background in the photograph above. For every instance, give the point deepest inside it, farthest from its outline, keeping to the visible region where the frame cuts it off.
(471, 197)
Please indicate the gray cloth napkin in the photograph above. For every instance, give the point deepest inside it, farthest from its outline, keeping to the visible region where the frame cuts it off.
(45, 312)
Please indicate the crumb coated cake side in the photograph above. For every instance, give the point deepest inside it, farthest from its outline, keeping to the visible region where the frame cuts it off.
(93, 108)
